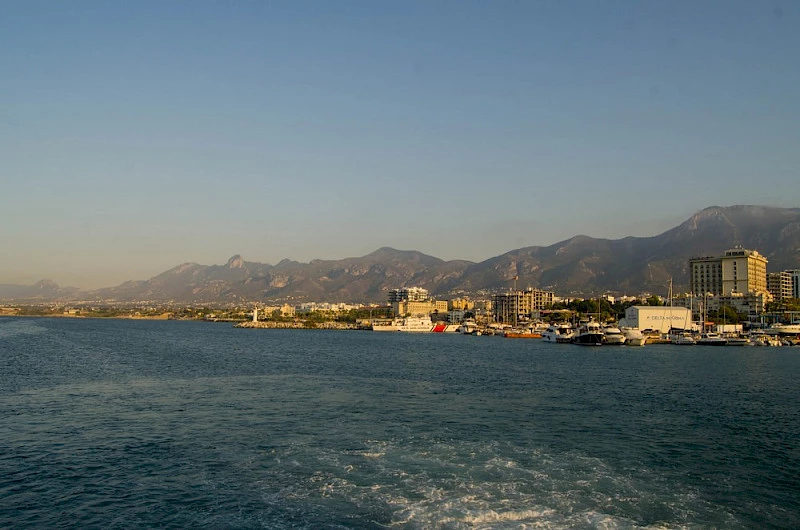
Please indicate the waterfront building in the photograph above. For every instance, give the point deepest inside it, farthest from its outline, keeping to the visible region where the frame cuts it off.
(658, 318)
(513, 306)
(737, 271)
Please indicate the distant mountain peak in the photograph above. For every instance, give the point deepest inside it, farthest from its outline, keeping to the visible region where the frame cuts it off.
(236, 262)
(49, 285)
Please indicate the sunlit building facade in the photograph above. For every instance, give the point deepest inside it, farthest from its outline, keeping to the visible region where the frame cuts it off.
(737, 271)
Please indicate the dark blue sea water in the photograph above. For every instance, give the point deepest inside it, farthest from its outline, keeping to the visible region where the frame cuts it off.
(146, 424)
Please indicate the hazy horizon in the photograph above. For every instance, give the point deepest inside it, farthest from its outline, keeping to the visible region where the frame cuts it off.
(152, 271)
(140, 136)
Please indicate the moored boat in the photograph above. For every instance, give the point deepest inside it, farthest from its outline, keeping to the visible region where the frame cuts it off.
(736, 340)
(439, 327)
(468, 327)
(613, 336)
(711, 339)
(589, 334)
(416, 325)
(634, 337)
(784, 329)
(682, 338)
(562, 333)
(386, 325)
(522, 334)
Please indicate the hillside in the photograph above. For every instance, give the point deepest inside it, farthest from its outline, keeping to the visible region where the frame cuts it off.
(578, 266)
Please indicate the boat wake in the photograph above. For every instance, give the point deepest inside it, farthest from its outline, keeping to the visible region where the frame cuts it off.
(438, 484)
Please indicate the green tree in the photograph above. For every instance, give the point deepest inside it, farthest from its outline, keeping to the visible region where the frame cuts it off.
(654, 301)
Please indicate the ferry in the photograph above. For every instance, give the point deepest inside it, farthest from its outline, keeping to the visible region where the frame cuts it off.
(416, 325)
(384, 325)
(444, 327)
(408, 324)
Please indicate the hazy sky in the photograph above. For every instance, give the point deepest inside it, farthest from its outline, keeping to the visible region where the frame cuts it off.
(135, 136)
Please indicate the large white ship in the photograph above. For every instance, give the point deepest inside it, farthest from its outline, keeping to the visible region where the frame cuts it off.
(386, 325)
(416, 325)
(419, 324)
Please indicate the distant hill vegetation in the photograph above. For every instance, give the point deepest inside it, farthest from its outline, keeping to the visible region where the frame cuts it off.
(578, 266)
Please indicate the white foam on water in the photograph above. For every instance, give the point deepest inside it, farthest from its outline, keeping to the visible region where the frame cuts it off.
(473, 485)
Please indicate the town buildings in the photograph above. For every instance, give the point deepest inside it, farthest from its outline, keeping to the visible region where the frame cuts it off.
(795, 282)
(511, 307)
(415, 301)
(408, 294)
(779, 284)
(737, 271)
(737, 279)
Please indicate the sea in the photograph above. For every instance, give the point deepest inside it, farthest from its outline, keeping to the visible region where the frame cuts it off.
(171, 424)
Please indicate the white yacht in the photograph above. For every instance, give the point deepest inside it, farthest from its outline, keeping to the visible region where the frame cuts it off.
(784, 329)
(634, 337)
(559, 333)
(613, 336)
(468, 327)
(711, 339)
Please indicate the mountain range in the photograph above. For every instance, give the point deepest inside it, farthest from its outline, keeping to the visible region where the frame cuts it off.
(579, 266)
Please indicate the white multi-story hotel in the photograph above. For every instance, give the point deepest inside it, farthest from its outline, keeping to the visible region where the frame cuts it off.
(737, 279)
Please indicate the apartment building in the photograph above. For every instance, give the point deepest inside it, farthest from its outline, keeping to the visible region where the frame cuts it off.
(410, 294)
(511, 307)
(779, 285)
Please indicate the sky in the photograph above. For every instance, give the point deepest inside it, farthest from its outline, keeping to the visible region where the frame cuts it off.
(136, 136)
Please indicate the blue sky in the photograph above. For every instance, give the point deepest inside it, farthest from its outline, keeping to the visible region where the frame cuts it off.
(135, 136)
